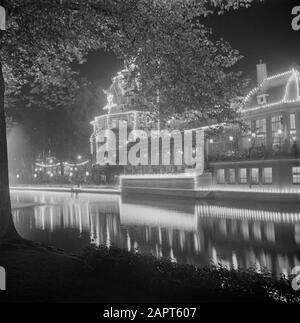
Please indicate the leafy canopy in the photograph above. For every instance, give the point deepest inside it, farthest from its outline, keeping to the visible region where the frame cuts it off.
(163, 42)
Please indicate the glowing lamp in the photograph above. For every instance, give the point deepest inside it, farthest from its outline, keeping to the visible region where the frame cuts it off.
(230, 138)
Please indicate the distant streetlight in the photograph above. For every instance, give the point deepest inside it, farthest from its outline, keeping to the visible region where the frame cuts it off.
(18, 176)
(87, 173)
(211, 141)
(35, 175)
(253, 134)
(79, 157)
(230, 138)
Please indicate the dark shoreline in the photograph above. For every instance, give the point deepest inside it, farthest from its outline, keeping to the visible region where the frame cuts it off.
(37, 273)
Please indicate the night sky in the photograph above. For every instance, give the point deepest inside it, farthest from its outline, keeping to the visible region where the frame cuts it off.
(260, 32)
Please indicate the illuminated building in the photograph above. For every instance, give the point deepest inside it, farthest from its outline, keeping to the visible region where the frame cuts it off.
(266, 152)
(122, 106)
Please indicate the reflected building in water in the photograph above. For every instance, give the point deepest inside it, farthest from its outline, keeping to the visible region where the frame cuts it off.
(181, 230)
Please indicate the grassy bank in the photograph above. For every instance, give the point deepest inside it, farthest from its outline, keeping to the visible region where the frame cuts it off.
(37, 273)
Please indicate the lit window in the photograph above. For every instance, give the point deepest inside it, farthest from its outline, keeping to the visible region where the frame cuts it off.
(277, 131)
(276, 123)
(292, 121)
(261, 129)
(254, 175)
(231, 176)
(293, 136)
(261, 126)
(243, 175)
(221, 176)
(267, 177)
(296, 175)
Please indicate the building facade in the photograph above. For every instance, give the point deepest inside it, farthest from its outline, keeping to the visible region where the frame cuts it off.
(266, 151)
(121, 107)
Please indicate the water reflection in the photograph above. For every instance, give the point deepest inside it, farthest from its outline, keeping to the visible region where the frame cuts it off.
(186, 231)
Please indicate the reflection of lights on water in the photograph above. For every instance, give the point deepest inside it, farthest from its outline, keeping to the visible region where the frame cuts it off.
(239, 214)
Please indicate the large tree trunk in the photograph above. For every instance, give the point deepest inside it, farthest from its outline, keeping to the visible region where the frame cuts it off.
(7, 228)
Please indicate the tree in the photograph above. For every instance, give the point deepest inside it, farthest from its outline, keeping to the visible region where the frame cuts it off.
(163, 42)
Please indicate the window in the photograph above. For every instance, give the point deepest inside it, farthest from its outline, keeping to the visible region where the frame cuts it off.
(296, 175)
(276, 123)
(243, 175)
(231, 176)
(293, 137)
(267, 175)
(221, 176)
(292, 121)
(293, 134)
(254, 175)
(261, 126)
(262, 99)
(277, 131)
(261, 129)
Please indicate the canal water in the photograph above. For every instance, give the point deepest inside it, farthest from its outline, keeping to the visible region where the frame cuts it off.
(235, 234)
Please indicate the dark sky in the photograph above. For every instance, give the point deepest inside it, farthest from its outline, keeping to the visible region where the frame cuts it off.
(260, 32)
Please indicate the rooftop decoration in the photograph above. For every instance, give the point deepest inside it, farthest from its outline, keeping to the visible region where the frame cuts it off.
(291, 93)
(116, 94)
